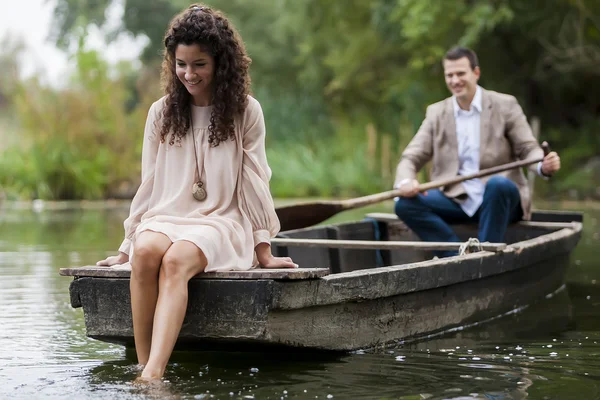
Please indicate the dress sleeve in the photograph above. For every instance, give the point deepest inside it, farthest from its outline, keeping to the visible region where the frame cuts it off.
(256, 199)
(139, 204)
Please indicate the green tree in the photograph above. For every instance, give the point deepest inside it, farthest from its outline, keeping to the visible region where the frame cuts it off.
(327, 69)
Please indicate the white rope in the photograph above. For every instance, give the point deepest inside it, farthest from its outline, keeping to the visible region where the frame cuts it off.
(465, 248)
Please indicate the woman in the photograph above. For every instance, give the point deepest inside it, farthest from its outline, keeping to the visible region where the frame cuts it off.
(204, 202)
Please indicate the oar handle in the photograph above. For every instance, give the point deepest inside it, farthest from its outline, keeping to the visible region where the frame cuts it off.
(546, 148)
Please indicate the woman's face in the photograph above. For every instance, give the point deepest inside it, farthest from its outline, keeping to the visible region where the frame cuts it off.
(195, 68)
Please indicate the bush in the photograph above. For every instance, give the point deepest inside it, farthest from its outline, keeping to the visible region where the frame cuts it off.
(76, 143)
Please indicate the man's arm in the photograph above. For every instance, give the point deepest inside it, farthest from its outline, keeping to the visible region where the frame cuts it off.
(524, 144)
(518, 131)
(418, 152)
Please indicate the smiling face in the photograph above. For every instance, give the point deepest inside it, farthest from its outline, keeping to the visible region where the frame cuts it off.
(461, 79)
(195, 68)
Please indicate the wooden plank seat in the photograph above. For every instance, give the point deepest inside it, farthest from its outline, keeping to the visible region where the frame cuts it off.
(388, 217)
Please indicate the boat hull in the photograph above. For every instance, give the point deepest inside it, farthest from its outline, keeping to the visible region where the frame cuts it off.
(359, 309)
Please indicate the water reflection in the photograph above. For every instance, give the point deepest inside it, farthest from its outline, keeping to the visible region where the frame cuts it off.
(548, 351)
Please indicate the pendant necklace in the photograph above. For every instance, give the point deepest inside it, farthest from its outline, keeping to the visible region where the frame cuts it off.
(198, 190)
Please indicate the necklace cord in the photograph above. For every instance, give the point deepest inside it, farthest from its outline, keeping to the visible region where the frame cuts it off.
(198, 169)
(195, 151)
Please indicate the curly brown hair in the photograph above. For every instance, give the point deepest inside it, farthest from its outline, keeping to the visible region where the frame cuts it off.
(211, 30)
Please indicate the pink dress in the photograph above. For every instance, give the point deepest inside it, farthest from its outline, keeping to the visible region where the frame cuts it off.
(238, 212)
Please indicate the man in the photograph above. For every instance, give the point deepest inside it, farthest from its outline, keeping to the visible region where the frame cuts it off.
(472, 130)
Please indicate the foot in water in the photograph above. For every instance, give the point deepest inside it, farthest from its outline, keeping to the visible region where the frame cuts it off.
(148, 382)
(144, 378)
(154, 388)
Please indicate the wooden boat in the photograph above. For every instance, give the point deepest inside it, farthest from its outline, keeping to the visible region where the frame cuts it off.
(361, 285)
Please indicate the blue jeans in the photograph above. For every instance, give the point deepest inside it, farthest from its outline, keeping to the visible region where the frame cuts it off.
(429, 216)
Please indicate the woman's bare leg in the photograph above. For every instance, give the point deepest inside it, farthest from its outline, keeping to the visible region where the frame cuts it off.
(149, 249)
(181, 262)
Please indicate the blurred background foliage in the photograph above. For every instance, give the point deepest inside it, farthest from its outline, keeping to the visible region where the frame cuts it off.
(343, 85)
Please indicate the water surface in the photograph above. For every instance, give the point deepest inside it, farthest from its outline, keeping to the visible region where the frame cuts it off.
(549, 350)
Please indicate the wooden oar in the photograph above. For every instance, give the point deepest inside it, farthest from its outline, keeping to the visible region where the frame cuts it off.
(302, 215)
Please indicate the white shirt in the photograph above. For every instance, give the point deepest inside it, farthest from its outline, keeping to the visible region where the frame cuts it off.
(468, 137)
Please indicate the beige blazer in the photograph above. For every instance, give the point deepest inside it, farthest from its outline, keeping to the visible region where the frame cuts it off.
(505, 137)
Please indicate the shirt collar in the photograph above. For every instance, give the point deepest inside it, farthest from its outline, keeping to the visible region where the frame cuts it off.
(476, 103)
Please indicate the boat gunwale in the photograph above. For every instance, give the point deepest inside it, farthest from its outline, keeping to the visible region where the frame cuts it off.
(358, 285)
(575, 227)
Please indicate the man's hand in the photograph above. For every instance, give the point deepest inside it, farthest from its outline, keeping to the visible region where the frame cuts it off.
(122, 258)
(409, 188)
(267, 260)
(551, 164)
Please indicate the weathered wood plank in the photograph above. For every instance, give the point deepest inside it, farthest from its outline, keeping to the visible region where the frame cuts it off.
(398, 318)
(383, 217)
(384, 245)
(124, 271)
(348, 310)
(547, 225)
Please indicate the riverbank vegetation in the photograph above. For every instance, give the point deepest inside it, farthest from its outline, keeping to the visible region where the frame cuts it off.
(343, 86)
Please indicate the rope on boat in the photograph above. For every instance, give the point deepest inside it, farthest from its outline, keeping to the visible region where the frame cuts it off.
(465, 248)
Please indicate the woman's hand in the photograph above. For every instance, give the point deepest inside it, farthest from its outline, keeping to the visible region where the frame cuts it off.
(278, 262)
(122, 258)
(267, 260)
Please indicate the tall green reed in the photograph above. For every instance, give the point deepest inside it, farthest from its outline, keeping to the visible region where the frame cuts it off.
(74, 143)
(352, 160)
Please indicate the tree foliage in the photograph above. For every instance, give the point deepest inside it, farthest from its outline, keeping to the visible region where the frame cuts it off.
(324, 66)
(374, 55)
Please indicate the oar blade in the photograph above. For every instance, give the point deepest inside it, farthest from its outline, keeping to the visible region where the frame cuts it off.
(298, 216)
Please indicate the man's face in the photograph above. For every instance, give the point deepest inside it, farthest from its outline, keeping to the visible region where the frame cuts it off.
(461, 79)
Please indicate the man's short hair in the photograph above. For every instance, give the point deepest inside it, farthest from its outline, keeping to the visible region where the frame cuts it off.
(457, 53)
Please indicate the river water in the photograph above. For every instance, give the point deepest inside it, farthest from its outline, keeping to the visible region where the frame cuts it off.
(549, 350)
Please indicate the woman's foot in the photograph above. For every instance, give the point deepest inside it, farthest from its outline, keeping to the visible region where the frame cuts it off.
(142, 381)
(149, 373)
